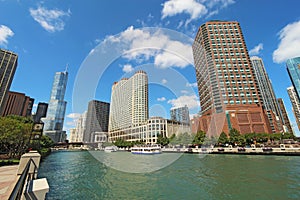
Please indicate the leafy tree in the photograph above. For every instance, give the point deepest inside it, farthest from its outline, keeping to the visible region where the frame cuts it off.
(223, 138)
(181, 139)
(162, 140)
(14, 135)
(199, 138)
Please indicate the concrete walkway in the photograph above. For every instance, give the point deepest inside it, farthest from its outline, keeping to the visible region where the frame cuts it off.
(8, 179)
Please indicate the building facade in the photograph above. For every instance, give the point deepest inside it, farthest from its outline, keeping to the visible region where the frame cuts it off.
(180, 114)
(129, 106)
(295, 104)
(226, 79)
(97, 118)
(41, 112)
(56, 108)
(18, 104)
(284, 117)
(293, 68)
(267, 94)
(80, 127)
(8, 65)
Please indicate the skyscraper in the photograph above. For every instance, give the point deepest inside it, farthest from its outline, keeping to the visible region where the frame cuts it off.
(180, 114)
(96, 119)
(293, 68)
(18, 104)
(226, 79)
(267, 94)
(284, 116)
(129, 106)
(295, 104)
(41, 112)
(8, 65)
(56, 108)
(80, 128)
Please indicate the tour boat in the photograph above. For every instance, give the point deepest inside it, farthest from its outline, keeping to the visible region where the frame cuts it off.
(110, 149)
(146, 149)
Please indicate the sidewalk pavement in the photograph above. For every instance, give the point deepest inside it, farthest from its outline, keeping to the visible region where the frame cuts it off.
(8, 180)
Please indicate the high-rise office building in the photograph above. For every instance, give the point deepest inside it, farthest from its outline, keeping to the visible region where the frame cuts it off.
(18, 104)
(41, 112)
(56, 108)
(284, 117)
(96, 119)
(293, 68)
(129, 106)
(80, 127)
(295, 104)
(180, 114)
(267, 94)
(226, 80)
(8, 65)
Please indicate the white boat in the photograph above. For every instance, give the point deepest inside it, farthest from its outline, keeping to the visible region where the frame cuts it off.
(146, 150)
(110, 149)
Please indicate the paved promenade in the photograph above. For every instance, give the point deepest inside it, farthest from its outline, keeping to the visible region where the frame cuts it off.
(8, 179)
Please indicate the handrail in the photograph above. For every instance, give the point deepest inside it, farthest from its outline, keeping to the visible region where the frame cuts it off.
(18, 189)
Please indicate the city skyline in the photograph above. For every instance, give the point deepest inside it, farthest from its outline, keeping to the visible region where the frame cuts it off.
(44, 48)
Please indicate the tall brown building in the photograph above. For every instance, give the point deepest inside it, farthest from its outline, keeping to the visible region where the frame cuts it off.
(18, 104)
(228, 90)
(284, 116)
(8, 65)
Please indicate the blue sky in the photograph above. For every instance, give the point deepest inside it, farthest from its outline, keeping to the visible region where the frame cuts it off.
(48, 35)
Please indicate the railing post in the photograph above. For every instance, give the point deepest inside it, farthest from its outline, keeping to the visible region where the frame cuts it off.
(33, 170)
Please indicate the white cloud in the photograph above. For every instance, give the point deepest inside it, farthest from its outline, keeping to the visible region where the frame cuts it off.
(256, 50)
(190, 100)
(50, 20)
(143, 44)
(127, 68)
(161, 99)
(74, 115)
(191, 7)
(164, 81)
(289, 45)
(5, 32)
(191, 84)
(195, 9)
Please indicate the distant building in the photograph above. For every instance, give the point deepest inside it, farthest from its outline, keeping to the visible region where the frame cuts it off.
(41, 112)
(226, 81)
(18, 104)
(8, 65)
(96, 119)
(295, 104)
(267, 94)
(180, 114)
(284, 116)
(56, 108)
(72, 137)
(129, 107)
(293, 68)
(80, 128)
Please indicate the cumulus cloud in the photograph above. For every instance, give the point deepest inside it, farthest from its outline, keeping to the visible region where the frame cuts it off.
(127, 68)
(50, 20)
(5, 32)
(74, 115)
(289, 45)
(190, 100)
(141, 44)
(256, 50)
(194, 9)
(161, 99)
(191, 7)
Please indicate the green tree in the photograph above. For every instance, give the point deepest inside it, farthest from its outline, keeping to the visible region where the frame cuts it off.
(14, 135)
(199, 138)
(223, 139)
(162, 140)
(235, 138)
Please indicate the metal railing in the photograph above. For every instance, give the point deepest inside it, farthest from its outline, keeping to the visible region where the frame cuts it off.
(23, 179)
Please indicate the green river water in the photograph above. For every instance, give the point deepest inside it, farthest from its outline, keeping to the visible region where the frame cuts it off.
(79, 175)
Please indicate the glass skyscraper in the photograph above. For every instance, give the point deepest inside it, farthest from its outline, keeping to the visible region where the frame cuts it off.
(56, 108)
(180, 114)
(293, 68)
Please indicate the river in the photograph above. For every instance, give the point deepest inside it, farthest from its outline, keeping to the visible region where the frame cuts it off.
(79, 175)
